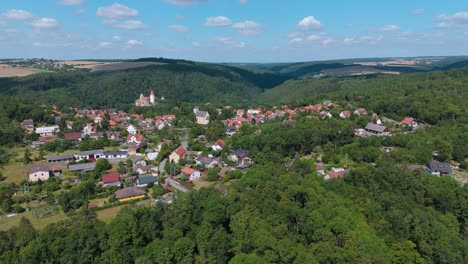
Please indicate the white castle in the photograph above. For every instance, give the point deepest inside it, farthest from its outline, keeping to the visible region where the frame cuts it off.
(146, 101)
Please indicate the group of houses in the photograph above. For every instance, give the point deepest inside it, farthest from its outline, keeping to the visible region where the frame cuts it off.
(319, 111)
(116, 121)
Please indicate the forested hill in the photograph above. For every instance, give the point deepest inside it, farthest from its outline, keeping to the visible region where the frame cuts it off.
(177, 81)
(187, 81)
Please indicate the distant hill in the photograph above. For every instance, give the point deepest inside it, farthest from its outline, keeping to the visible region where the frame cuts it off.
(176, 80)
(231, 84)
(349, 67)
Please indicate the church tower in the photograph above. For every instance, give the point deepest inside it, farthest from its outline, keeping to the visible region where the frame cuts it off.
(152, 99)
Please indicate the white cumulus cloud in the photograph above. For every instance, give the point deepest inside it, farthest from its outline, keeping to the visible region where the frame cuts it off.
(105, 44)
(370, 40)
(72, 2)
(229, 41)
(217, 21)
(295, 40)
(243, 2)
(16, 14)
(116, 10)
(310, 23)
(116, 38)
(248, 27)
(178, 28)
(388, 28)
(324, 40)
(185, 2)
(457, 20)
(419, 11)
(130, 24)
(45, 23)
(133, 43)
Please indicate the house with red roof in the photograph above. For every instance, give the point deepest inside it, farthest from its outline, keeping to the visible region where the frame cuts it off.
(360, 111)
(409, 122)
(218, 145)
(178, 154)
(345, 114)
(137, 138)
(192, 173)
(111, 179)
(73, 137)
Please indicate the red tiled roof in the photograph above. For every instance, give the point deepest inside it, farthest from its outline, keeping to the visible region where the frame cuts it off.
(187, 170)
(336, 174)
(109, 178)
(169, 117)
(220, 143)
(138, 137)
(72, 136)
(407, 121)
(180, 151)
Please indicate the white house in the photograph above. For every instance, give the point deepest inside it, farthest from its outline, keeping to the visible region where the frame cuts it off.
(115, 155)
(178, 154)
(218, 145)
(135, 138)
(191, 172)
(410, 122)
(138, 161)
(152, 155)
(345, 114)
(89, 155)
(143, 169)
(131, 130)
(89, 129)
(37, 173)
(47, 131)
(203, 117)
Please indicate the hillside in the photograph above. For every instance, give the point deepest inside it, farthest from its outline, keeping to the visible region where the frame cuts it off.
(177, 81)
(349, 67)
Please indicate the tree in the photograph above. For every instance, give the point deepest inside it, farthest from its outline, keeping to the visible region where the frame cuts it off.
(27, 156)
(405, 252)
(213, 174)
(101, 166)
(121, 169)
(445, 151)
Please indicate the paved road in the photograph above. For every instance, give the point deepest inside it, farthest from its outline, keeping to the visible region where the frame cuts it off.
(161, 165)
(175, 184)
(184, 138)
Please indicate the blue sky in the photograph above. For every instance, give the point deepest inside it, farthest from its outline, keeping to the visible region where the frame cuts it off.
(232, 30)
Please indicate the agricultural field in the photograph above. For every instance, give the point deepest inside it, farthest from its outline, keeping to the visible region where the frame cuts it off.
(8, 71)
(97, 66)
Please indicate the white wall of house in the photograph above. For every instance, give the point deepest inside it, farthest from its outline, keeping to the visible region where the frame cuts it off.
(40, 175)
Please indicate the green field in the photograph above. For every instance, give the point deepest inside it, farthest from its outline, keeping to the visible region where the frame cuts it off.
(39, 217)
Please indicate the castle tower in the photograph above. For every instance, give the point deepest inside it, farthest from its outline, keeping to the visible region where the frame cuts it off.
(152, 99)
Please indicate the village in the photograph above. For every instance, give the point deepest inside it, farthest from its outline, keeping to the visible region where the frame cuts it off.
(133, 164)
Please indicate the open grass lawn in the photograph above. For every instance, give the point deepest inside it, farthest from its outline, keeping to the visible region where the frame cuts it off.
(201, 183)
(39, 217)
(98, 201)
(106, 215)
(16, 172)
(461, 176)
(36, 70)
